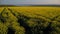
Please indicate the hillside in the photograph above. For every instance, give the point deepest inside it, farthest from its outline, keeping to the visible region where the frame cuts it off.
(29, 20)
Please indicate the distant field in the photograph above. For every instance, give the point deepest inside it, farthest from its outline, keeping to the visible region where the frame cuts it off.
(32, 11)
(30, 20)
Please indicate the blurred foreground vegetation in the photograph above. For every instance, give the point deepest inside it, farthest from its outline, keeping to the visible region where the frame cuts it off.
(29, 20)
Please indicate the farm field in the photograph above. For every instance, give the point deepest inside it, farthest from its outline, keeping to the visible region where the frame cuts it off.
(29, 20)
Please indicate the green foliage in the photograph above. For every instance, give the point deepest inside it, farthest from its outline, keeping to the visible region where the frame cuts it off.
(21, 22)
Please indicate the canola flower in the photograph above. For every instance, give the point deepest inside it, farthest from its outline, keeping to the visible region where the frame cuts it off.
(29, 20)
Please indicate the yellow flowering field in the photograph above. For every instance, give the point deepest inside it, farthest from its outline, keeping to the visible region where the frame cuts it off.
(29, 20)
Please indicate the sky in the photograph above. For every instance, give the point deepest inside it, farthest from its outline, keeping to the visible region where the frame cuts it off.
(19, 2)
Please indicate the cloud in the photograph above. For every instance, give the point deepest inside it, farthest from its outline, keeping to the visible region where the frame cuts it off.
(30, 2)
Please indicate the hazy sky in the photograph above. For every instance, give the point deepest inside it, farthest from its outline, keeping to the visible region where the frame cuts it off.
(15, 2)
